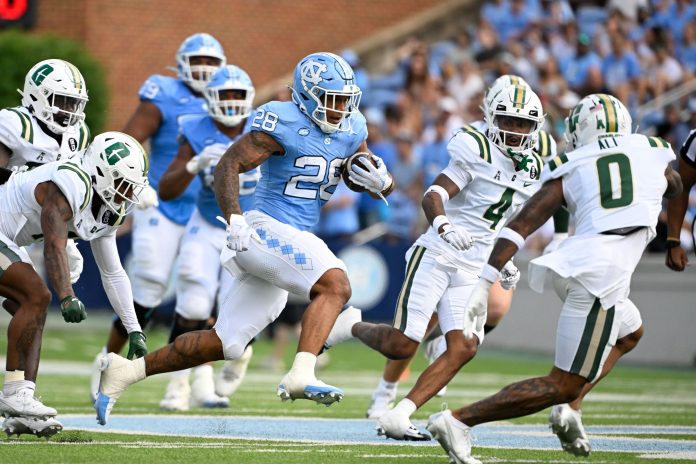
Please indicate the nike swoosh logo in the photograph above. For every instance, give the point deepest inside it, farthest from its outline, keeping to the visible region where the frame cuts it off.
(527, 184)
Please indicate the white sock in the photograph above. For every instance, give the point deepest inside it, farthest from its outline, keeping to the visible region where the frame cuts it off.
(139, 369)
(11, 387)
(386, 385)
(407, 406)
(304, 364)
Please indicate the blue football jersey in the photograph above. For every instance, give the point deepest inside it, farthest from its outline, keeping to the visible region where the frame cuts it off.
(294, 186)
(174, 100)
(200, 131)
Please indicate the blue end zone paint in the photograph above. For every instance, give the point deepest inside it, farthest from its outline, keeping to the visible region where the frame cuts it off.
(359, 431)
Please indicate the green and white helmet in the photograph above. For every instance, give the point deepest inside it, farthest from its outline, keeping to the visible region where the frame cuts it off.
(56, 94)
(506, 80)
(595, 116)
(520, 103)
(118, 166)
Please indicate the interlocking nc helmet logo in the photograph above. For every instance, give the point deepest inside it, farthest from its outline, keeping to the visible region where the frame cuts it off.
(311, 71)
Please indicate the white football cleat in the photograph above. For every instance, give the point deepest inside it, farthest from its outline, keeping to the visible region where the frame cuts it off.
(177, 395)
(203, 389)
(95, 376)
(117, 374)
(566, 423)
(397, 425)
(454, 437)
(31, 426)
(23, 403)
(433, 349)
(382, 401)
(232, 373)
(294, 388)
(341, 330)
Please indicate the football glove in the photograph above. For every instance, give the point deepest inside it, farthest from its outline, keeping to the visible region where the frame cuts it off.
(509, 276)
(147, 198)
(375, 179)
(458, 237)
(136, 345)
(208, 156)
(75, 261)
(239, 234)
(72, 309)
(476, 309)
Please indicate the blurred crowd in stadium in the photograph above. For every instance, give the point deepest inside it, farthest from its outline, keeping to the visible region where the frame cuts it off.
(637, 50)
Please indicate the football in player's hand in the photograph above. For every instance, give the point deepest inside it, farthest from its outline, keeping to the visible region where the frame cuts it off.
(358, 159)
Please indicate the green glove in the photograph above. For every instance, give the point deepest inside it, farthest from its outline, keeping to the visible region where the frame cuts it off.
(136, 345)
(73, 310)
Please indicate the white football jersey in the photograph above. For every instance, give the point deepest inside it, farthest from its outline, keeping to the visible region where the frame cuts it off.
(497, 187)
(20, 213)
(31, 146)
(613, 183)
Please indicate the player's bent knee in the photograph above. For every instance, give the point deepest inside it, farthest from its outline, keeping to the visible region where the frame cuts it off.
(39, 299)
(334, 282)
(627, 343)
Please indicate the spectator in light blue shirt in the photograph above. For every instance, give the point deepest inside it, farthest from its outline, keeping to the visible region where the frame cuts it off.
(576, 69)
(621, 70)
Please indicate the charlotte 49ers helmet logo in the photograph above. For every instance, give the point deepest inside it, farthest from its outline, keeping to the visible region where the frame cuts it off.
(311, 71)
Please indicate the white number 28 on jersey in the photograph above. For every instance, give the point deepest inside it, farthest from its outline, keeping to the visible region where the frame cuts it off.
(307, 185)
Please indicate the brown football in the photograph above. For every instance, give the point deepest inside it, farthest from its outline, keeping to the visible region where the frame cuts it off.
(356, 158)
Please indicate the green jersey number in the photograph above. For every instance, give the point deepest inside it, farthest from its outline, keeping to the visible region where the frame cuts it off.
(611, 180)
(495, 212)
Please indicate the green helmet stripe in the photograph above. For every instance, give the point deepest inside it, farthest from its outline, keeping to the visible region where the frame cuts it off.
(77, 79)
(609, 113)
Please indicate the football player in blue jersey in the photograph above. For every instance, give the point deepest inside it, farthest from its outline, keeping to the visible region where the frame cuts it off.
(157, 231)
(301, 147)
(203, 139)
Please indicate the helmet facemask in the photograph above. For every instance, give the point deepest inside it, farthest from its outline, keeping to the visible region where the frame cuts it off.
(334, 109)
(197, 75)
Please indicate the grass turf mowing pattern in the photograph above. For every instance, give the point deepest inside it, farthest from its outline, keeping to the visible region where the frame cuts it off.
(631, 395)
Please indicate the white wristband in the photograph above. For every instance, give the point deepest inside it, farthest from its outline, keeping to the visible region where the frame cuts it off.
(514, 237)
(439, 221)
(489, 273)
(440, 191)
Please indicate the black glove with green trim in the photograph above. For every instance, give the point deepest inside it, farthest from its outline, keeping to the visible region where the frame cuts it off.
(72, 309)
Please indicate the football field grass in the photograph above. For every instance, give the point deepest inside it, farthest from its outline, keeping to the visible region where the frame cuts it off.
(637, 415)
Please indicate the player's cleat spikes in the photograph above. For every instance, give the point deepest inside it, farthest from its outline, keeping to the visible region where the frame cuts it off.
(397, 425)
(117, 374)
(341, 330)
(453, 436)
(23, 403)
(177, 394)
(566, 423)
(291, 388)
(44, 428)
(232, 374)
(411, 434)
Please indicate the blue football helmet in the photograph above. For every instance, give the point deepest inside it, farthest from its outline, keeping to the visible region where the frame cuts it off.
(324, 82)
(200, 44)
(226, 111)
